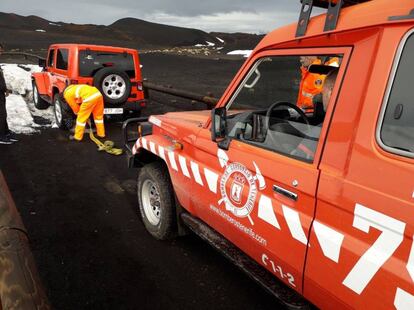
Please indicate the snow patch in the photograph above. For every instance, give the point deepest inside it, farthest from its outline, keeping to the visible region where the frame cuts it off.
(209, 44)
(221, 40)
(19, 118)
(53, 24)
(40, 30)
(244, 53)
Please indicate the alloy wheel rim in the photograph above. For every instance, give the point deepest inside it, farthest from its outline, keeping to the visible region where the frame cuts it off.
(58, 112)
(151, 202)
(114, 86)
(35, 95)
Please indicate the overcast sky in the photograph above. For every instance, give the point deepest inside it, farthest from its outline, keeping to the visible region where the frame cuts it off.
(254, 16)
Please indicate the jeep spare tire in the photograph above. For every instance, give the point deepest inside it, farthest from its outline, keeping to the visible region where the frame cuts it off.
(114, 85)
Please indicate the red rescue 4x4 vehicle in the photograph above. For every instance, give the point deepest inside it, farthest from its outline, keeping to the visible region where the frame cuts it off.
(115, 71)
(324, 202)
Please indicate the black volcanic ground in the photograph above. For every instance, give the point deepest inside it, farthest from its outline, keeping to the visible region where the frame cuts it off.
(19, 33)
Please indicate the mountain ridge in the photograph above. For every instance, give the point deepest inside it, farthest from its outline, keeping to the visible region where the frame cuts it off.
(32, 32)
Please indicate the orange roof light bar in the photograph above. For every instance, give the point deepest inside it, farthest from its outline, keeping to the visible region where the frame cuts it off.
(334, 8)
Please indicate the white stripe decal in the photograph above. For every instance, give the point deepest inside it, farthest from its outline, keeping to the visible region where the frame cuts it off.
(171, 156)
(196, 172)
(212, 179)
(161, 151)
(90, 98)
(266, 212)
(152, 148)
(80, 124)
(144, 143)
(330, 240)
(293, 221)
(136, 146)
(98, 121)
(155, 121)
(403, 300)
(410, 263)
(183, 165)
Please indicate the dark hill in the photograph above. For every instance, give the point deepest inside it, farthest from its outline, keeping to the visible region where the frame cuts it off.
(238, 41)
(161, 35)
(31, 32)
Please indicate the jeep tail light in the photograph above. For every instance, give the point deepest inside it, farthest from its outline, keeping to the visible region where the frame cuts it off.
(140, 87)
(73, 82)
(142, 104)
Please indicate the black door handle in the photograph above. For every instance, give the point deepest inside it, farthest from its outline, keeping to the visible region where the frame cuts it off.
(285, 192)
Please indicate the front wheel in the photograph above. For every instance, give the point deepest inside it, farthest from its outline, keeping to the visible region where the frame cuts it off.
(39, 103)
(64, 117)
(157, 201)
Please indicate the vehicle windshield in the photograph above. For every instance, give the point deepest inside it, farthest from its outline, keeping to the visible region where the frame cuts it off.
(281, 104)
(91, 62)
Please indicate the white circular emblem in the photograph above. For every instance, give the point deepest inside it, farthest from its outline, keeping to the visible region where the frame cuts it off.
(238, 190)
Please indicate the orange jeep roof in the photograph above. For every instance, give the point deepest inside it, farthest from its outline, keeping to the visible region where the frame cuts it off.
(93, 47)
(366, 14)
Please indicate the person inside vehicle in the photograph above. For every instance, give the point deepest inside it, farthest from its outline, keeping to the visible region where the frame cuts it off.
(307, 147)
(311, 84)
(85, 100)
(328, 87)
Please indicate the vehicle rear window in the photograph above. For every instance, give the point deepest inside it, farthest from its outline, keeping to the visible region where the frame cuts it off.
(397, 130)
(62, 59)
(91, 62)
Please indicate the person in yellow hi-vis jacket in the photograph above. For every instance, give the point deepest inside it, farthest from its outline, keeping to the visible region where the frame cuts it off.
(85, 100)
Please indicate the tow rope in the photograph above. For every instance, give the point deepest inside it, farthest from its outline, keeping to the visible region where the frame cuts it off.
(107, 146)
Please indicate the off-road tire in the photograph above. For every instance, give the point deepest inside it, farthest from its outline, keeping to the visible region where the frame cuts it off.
(39, 103)
(157, 174)
(67, 118)
(99, 81)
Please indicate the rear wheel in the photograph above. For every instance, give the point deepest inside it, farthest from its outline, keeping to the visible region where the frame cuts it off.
(157, 201)
(39, 103)
(64, 116)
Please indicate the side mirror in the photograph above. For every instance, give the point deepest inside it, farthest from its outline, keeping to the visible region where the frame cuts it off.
(42, 63)
(218, 123)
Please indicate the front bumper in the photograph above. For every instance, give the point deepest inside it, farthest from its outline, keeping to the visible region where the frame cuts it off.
(131, 136)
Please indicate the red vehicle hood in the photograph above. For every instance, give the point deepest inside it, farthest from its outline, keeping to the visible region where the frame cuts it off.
(182, 125)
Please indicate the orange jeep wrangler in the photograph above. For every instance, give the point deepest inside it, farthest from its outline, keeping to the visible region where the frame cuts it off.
(115, 71)
(323, 201)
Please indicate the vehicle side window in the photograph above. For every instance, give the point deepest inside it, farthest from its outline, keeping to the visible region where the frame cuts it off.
(397, 128)
(281, 104)
(62, 58)
(51, 58)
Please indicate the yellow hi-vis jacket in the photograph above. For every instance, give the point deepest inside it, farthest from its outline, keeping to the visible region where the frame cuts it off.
(75, 95)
